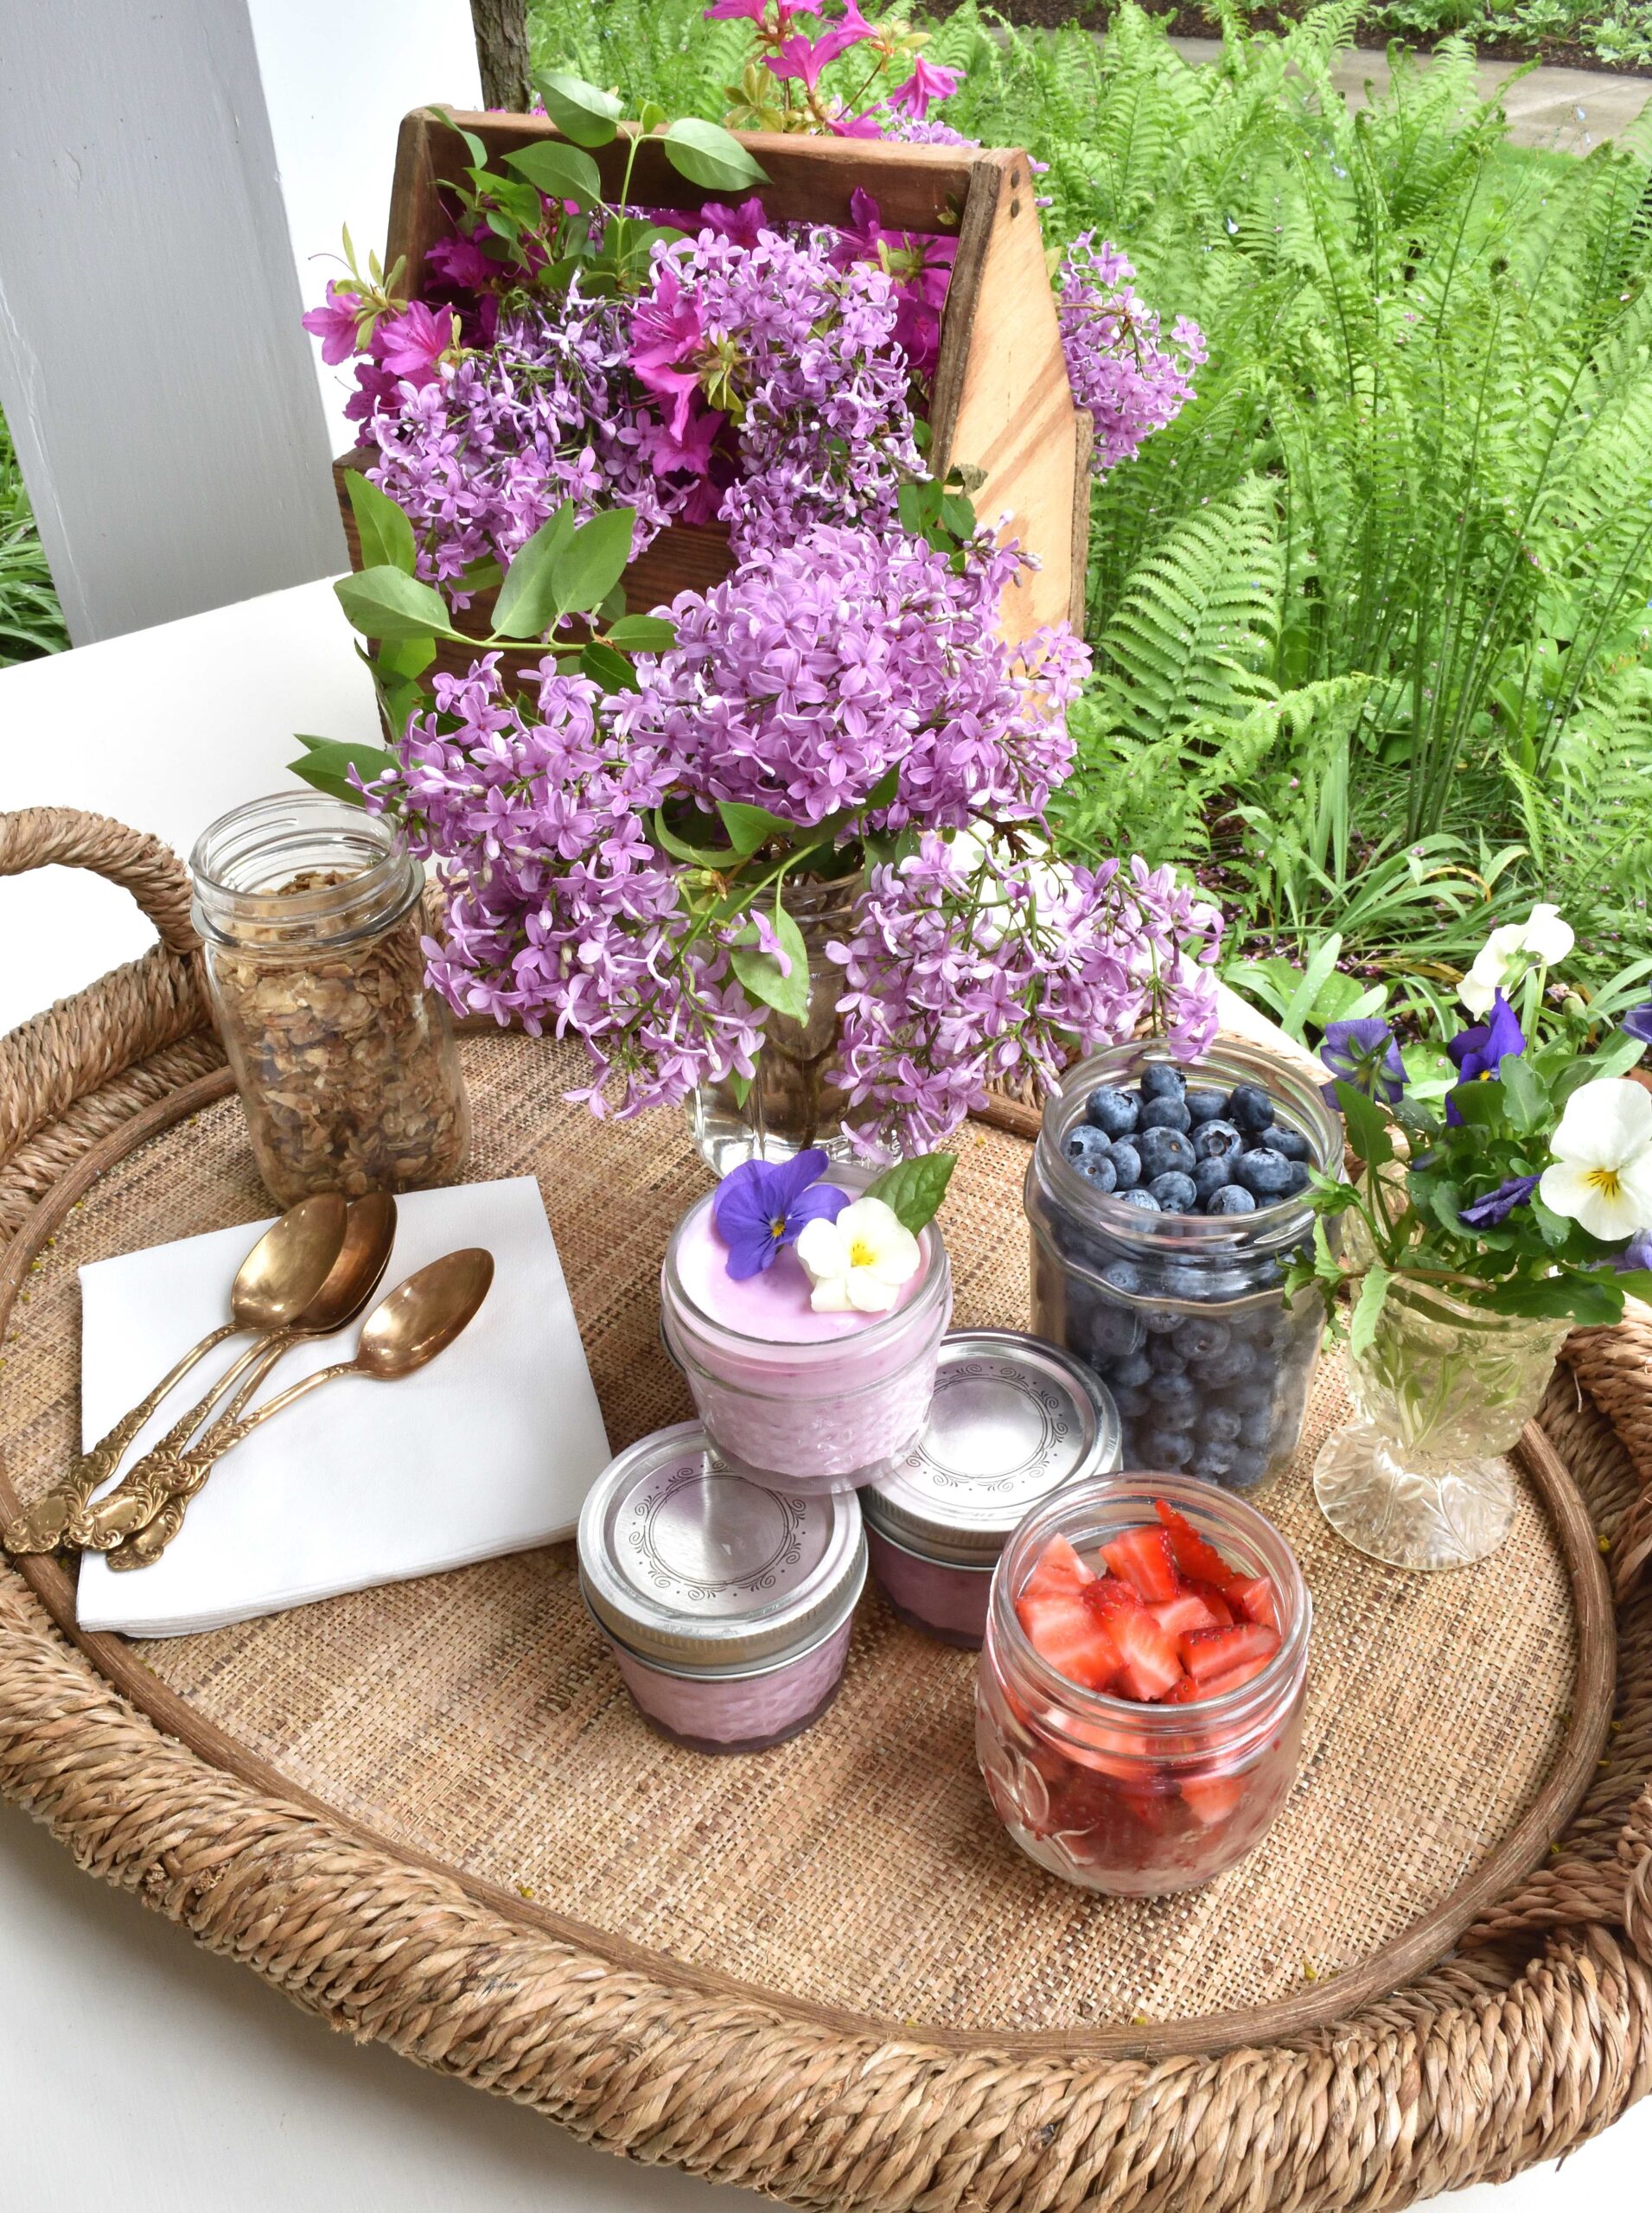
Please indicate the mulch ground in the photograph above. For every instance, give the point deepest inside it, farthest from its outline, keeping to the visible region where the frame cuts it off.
(1194, 23)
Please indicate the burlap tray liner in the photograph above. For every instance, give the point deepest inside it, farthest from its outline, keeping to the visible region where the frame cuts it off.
(478, 1715)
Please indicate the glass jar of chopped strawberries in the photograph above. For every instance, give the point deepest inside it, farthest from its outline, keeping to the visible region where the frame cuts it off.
(1138, 1702)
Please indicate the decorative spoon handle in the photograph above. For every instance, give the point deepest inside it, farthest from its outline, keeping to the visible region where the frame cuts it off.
(178, 1476)
(47, 1523)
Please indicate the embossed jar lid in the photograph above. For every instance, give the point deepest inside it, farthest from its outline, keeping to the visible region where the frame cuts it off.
(1013, 1419)
(697, 1568)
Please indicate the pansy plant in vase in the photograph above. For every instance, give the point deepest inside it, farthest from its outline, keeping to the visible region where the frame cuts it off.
(1479, 1228)
(805, 1301)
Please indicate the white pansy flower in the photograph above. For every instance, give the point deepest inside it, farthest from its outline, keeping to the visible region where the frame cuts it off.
(1601, 1175)
(859, 1261)
(1509, 952)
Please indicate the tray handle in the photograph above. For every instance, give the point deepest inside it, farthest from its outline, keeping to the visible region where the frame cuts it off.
(58, 1057)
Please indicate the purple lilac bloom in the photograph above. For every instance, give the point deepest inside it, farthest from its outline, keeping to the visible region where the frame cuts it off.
(801, 681)
(762, 1206)
(1498, 1205)
(1132, 384)
(1480, 1050)
(964, 969)
(1363, 1053)
(1637, 1023)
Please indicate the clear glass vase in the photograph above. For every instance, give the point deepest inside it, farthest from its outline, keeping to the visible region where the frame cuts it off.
(1441, 1393)
(790, 1104)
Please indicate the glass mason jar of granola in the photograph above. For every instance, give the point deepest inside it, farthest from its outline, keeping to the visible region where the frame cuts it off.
(309, 910)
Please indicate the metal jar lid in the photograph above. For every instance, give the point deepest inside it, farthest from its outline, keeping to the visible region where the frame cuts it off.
(701, 1570)
(1013, 1419)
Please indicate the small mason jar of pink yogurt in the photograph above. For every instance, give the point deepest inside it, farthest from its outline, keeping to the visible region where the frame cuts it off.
(819, 1398)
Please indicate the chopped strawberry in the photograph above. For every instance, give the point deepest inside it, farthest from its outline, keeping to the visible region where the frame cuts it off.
(1221, 1608)
(1143, 1558)
(1191, 1552)
(1207, 1653)
(1065, 1633)
(1149, 1655)
(1186, 1612)
(1184, 1692)
(1058, 1567)
(1253, 1599)
(1213, 1797)
(1219, 1685)
(1107, 1595)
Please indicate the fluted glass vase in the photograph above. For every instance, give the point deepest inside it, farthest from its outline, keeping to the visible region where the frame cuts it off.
(790, 1104)
(1441, 1393)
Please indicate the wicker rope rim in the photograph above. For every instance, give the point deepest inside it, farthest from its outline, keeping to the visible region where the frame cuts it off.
(1538, 2034)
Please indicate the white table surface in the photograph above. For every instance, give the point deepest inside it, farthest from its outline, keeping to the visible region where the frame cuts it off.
(213, 2095)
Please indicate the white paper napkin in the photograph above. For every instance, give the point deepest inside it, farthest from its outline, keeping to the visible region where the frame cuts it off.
(488, 1450)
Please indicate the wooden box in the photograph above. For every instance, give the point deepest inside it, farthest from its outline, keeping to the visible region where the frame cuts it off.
(1001, 399)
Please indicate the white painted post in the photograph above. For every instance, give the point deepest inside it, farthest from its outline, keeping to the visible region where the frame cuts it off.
(160, 391)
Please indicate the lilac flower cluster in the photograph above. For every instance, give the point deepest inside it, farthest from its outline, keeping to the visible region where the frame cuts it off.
(1132, 384)
(969, 964)
(802, 356)
(800, 682)
(561, 912)
(481, 452)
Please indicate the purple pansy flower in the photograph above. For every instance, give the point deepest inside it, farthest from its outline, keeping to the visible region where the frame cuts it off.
(1480, 1050)
(1363, 1054)
(761, 1205)
(1638, 1022)
(1498, 1205)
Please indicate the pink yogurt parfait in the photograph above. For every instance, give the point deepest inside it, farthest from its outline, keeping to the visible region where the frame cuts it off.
(816, 1402)
(728, 1605)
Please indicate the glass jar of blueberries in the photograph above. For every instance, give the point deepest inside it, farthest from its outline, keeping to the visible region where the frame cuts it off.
(1165, 1203)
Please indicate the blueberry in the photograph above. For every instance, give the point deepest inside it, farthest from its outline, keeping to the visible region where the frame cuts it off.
(1204, 1105)
(1126, 1166)
(1255, 1428)
(1203, 1337)
(1233, 1198)
(1210, 1177)
(1125, 1278)
(1163, 1355)
(1145, 1199)
(1164, 1152)
(1221, 1425)
(1113, 1333)
(1184, 1283)
(1289, 1142)
(1299, 1178)
(1161, 1321)
(1252, 1396)
(1082, 1144)
(1175, 1194)
(1177, 1398)
(1164, 1115)
(1246, 1471)
(1223, 1367)
(1127, 1373)
(1160, 1080)
(1166, 1448)
(1098, 1172)
(1130, 1400)
(1249, 1108)
(1266, 1174)
(1216, 1140)
(1111, 1111)
(1218, 1458)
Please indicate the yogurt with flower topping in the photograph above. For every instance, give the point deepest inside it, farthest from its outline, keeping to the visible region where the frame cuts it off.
(812, 1393)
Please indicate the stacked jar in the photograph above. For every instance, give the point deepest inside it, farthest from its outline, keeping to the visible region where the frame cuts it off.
(1182, 1314)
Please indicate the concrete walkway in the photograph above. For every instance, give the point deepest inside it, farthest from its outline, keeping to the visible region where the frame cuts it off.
(1568, 110)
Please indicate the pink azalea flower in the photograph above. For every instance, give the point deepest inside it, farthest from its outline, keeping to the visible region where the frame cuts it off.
(855, 126)
(726, 11)
(689, 447)
(925, 83)
(743, 224)
(666, 330)
(412, 343)
(461, 261)
(806, 58)
(334, 324)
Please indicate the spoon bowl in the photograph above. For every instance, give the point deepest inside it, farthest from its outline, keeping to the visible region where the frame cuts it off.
(369, 1233)
(422, 1316)
(289, 1265)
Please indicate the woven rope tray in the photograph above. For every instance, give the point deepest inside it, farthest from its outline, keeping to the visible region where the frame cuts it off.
(430, 1813)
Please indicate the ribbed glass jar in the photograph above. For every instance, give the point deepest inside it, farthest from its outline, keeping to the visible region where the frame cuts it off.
(1182, 1315)
(308, 910)
(1138, 1800)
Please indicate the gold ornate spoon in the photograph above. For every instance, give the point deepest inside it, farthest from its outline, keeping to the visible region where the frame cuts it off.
(275, 1282)
(369, 1233)
(419, 1319)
